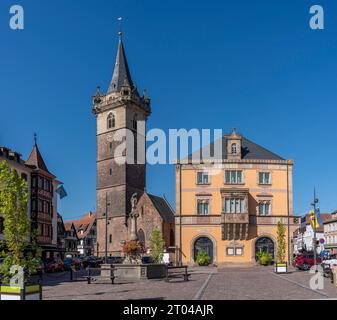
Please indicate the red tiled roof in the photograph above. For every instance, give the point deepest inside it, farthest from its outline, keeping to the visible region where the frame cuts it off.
(85, 223)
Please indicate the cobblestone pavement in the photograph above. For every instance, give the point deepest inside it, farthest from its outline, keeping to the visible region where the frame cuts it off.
(231, 283)
(258, 283)
(145, 290)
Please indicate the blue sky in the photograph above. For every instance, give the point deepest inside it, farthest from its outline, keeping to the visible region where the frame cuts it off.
(253, 65)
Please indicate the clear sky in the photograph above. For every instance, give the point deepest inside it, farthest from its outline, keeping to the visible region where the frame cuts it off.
(254, 65)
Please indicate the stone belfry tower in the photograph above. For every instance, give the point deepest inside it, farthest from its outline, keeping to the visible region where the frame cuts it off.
(121, 109)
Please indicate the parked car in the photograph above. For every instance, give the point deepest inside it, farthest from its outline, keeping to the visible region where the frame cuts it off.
(90, 262)
(304, 261)
(331, 261)
(114, 260)
(72, 262)
(54, 265)
(40, 269)
(328, 265)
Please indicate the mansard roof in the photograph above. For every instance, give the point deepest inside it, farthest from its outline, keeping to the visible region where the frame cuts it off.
(249, 151)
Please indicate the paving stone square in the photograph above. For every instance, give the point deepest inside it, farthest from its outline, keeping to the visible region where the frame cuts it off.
(223, 283)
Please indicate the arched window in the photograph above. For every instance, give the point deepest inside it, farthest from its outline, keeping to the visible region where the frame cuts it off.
(134, 122)
(111, 121)
(234, 148)
(141, 235)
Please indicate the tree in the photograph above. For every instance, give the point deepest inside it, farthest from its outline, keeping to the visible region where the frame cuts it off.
(17, 232)
(281, 242)
(157, 245)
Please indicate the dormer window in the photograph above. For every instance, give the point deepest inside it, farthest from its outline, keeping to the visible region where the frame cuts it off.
(111, 121)
(234, 148)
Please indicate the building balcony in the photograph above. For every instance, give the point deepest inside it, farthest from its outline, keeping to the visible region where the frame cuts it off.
(235, 226)
(235, 218)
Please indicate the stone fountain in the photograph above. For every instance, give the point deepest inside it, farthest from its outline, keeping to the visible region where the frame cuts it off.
(132, 268)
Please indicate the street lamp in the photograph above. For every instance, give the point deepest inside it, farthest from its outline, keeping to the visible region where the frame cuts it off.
(315, 219)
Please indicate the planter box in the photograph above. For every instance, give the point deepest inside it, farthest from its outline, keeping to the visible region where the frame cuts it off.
(281, 268)
(30, 292)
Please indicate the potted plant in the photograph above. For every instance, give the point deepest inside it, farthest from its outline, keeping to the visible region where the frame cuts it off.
(133, 251)
(264, 258)
(18, 262)
(281, 265)
(157, 245)
(203, 259)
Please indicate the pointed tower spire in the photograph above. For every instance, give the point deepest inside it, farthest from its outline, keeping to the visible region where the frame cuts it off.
(35, 158)
(121, 75)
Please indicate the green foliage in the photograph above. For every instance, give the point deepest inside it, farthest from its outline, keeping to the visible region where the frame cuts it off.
(203, 259)
(264, 258)
(157, 245)
(17, 224)
(281, 242)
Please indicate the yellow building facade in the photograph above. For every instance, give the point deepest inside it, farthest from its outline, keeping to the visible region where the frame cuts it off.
(230, 207)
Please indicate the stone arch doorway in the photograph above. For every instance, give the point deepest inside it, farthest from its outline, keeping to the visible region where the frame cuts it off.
(265, 244)
(203, 244)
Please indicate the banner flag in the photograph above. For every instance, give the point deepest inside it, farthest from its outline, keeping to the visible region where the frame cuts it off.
(62, 192)
(313, 219)
(319, 218)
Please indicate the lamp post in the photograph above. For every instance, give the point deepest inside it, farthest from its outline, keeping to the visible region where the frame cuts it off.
(314, 225)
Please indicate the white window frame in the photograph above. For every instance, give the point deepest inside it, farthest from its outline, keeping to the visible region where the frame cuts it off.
(264, 203)
(200, 201)
(264, 178)
(235, 172)
(203, 173)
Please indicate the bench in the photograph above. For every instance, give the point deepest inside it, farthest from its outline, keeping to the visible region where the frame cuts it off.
(106, 275)
(177, 272)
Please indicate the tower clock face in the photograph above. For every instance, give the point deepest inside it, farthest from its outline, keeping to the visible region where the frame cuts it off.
(109, 137)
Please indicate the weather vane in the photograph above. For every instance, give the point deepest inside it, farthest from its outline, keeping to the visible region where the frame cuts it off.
(120, 20)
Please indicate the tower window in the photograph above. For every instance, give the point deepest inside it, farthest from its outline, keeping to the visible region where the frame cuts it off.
(110, 238)
(110, 171)
(111, 121)
(234, 148)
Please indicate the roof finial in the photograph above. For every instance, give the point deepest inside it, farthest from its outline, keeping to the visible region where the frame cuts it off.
(120, 32)
(35, 138)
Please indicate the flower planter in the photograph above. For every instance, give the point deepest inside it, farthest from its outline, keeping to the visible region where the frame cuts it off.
(30, 292)
(281, 268)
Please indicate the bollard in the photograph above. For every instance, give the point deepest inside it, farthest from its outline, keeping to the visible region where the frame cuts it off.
(71, 274)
